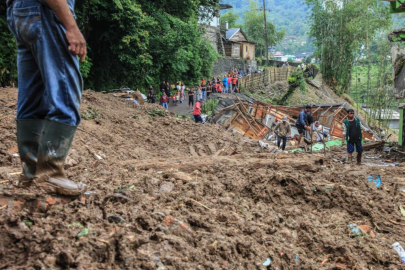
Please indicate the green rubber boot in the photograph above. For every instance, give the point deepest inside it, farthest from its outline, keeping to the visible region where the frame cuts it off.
(359, 156)
(29, 133)
(53, 150)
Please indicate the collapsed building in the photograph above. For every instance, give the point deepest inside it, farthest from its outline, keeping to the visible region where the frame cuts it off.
(255, 119)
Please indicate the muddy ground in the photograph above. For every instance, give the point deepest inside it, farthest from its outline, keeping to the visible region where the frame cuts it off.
(168, 193)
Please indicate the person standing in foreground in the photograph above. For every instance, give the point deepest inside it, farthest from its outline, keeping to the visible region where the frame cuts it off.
(50, 86)
(282, 129)
(302, 121)
(352, 128)
(197, 112)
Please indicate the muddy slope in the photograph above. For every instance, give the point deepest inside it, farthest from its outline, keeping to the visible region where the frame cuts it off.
(171, 194)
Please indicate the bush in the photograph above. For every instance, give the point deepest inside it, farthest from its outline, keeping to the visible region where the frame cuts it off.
(297, 80)
(209, 106)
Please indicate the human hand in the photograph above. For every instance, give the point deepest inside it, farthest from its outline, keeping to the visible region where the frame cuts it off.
(77, 43)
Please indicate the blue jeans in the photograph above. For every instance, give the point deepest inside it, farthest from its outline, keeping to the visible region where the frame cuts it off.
(204, 94)
(164, 104)
(226, 88)
(352, 146)
(279, 142)
(49, 81)
(198, 119)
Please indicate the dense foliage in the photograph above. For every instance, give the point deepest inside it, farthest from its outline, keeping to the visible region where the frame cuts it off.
(137, 42)
(254, 28)
(340, 29)
(8, 63)
(290, 15)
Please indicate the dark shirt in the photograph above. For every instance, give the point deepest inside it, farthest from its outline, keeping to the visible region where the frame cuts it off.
(162, 87)
(191, 94)
(302, 119)
(354, 136)
(310, 119)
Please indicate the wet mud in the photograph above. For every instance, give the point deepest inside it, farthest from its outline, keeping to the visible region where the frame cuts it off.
(166, 193)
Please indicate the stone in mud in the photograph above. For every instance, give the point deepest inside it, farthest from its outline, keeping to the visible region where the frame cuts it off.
(166, 187)
(181, 176)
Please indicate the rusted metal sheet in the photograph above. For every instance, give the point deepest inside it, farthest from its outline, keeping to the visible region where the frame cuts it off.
(252, 115)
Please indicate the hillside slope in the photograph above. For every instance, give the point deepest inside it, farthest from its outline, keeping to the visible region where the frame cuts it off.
(171, 194)
(290, 15)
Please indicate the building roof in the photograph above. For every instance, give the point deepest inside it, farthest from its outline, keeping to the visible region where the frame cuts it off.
(231, 32)
(225, 6)
(303, 54)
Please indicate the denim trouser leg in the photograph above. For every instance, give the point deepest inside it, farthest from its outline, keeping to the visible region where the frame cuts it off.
(49, 79)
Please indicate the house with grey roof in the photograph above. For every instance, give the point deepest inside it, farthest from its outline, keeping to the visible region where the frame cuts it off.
(238, 45)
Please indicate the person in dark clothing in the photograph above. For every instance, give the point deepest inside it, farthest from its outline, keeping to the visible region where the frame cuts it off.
(302, 122)
(190, 98)
(150, 95)
(209, 89)
(168, 89)
(352, 128)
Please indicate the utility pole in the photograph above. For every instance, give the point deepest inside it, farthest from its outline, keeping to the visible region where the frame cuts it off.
(265, 33)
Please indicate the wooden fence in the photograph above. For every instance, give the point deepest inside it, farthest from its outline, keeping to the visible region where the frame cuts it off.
(269, 76)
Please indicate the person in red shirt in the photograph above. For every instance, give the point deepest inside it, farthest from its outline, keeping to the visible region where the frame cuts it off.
(220, 88)
(174, 98)
(229, 90)
(164, 99)
(234, 82)
(203, 82)
(197, 112)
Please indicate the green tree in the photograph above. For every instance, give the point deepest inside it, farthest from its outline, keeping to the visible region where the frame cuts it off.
(231, 18)
(254, 28)
(8, 53)
(135, 43)
(340, 29)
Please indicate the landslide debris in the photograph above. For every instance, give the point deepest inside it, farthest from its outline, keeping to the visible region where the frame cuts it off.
(172, 194)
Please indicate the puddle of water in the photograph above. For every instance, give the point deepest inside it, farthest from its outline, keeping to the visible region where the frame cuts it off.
(380, 164)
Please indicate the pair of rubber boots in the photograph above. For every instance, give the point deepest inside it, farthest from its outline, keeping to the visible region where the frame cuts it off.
(43, 146)
(350, 159)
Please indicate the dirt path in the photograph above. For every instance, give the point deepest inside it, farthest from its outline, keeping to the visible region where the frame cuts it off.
(181, 109)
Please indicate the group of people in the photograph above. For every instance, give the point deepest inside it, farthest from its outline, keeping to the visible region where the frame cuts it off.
(178, 94)
(352, 132)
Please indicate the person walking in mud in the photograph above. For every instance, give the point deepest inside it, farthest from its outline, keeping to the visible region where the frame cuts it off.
(352, 128)
(282, 129)
(50, 86)
(301, 123)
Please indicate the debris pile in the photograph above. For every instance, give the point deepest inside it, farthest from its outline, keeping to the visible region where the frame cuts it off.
(251, 117)
(167, 193)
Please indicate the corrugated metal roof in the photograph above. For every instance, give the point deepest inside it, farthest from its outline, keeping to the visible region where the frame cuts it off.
(231, 32)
